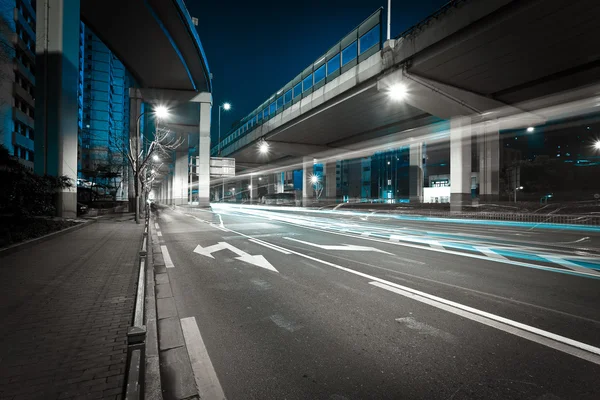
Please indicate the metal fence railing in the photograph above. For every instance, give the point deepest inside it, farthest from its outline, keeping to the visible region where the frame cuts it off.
(136, 335)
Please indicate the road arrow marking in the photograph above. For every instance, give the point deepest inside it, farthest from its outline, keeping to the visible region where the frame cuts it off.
(257, 260)
(347, 247)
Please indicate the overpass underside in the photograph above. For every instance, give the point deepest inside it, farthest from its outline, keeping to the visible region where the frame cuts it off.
(479, 70)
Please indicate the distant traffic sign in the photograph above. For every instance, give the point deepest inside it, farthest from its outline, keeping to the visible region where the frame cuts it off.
(221, 167)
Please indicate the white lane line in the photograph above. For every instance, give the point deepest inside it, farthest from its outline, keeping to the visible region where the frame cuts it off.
(568, 264)
(415, 239)
(557, 342)
(156, 226)
(443, 250)
(167, 257)
(489, 252)
(270, 246)
(159, 233)
(206, 378)
(221, 221)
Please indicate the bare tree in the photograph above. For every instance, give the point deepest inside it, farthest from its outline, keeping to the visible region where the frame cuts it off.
(164, 141)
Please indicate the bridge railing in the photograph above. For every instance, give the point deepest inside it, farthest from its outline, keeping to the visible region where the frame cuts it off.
(361, 43)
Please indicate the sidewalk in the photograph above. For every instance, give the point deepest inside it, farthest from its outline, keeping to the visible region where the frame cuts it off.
(65, 306)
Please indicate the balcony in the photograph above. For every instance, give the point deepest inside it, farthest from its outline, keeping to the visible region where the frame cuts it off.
(22, 141)
(23, 94)
(22, 117)
(23, 46)
(24, 71)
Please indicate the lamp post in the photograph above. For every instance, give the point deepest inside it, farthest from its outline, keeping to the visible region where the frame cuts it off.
(226, 106)
(159, 112)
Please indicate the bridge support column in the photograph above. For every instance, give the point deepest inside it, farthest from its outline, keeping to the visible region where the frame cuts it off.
(460, 163)
(57, 66)
(416, 173)
(330, 181)
(308, 167)
(279, 182)
(271, 183)
(169, 189)
(253, 189)
(203, 168)
(180, 179)
(489, 162)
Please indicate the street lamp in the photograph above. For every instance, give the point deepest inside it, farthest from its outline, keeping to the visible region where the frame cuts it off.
(156, 157)
(161, 112)
(397, 92)
(226, 107)
(530, 129)
(263, 147)
(314, 179)
(597, 144)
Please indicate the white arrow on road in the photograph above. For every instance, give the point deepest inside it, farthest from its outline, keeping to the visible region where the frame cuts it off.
(257, 260)
(347, 247)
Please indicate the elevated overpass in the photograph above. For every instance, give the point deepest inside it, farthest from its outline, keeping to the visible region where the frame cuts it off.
(157, 42)
(476, 67)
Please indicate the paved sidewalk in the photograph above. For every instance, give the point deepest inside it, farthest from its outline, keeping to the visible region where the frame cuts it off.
(65, 306)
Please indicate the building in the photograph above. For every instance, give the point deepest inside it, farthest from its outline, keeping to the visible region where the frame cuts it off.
(17, 79)
(104, 117)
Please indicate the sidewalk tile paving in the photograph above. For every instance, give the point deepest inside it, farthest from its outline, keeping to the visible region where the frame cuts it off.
(65, 307)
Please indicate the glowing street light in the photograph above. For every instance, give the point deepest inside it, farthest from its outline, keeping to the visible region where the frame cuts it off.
(156, 157)
(161, 112)
(530, 129)
(249, 187)
(226, 107)
(397, 92)
(314, 179)
(597, 144)
(263, 147)
(152, 171)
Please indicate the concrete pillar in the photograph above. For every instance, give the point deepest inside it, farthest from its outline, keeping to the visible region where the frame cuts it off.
(415, 184)
(279, 186)
(169, 199)
(307, 188)
(253, 189)
(180, 178)
(460, 163)
(204, 154)
(57, 69)
(271, 183)
(330, 181)
(489, 162)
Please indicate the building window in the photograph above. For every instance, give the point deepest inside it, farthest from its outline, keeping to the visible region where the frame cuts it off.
(272, 108)
(280, 102)
(349, 53)
(369, 39)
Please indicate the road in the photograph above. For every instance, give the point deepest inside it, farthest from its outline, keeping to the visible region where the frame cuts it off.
(302, 304)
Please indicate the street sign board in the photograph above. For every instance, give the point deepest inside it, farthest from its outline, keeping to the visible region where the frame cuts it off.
(222, 167)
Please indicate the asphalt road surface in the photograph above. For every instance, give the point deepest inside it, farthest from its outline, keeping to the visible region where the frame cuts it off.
(295, 304)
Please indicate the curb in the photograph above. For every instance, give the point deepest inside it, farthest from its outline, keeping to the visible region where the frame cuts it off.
(153, 387)
(31, 242)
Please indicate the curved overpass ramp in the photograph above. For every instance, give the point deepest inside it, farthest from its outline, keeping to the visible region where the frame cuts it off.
(157, 42)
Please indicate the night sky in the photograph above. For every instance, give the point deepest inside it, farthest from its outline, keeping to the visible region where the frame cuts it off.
(255, 48)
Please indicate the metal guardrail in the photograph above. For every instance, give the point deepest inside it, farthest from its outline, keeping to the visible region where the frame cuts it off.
(441, 11)
(136, 335)
(589, 220)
